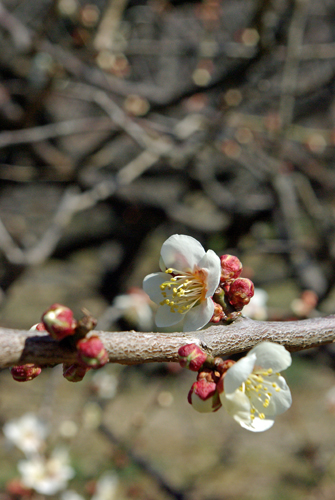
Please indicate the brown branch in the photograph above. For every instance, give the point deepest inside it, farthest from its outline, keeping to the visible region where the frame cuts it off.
(19, 347)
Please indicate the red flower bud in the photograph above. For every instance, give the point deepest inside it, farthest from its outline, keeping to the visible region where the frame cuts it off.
(59, 322)
(74, 372)
(24, 373)
(39, 327)
(204, 396)
(218, 315)
(240, 292)
(91, 352)
(231, 268)
(191, 357)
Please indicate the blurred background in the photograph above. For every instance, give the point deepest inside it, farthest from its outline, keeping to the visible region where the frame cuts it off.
(122, 123)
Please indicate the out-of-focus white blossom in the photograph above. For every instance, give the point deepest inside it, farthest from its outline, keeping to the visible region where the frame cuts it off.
(134, 306)
(106, 487)
(71, 495)
(257, 309)
(47, 476)
(104, 384)
(184, 288)
(254, 391)
(28, 433)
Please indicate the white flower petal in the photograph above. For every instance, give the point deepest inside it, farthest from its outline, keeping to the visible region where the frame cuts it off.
(237, 406)
(151, 285)
(164, 317)
(181, 252)
(282, 399)
(238, 373)
(270, 355)
(199, 316)
(210, 263)
(258, 425)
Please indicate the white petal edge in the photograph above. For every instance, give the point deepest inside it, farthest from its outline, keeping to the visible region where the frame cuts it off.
(181, 252)
(151, 286)
(210, 262)
(258, 425)
(199, 316)
(270, 355)
(239, 373)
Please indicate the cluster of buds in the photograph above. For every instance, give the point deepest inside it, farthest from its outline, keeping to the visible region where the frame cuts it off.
(59, 322)
(204, 394)
(233, 293)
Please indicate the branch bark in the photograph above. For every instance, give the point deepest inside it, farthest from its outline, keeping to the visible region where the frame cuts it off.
(20, 347)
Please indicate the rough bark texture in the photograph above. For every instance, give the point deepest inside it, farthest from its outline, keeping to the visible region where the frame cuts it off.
(19, 347)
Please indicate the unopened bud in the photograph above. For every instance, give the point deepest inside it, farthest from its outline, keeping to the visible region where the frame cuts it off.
(91, 352)
(240, 292)
(59, 321)
(24, 373)
(218, 314)
(191, 357)
(231, 268)
(204, 396)
(74, 372)
(39, 327)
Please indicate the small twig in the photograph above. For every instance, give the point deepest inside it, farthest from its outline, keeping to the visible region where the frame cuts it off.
(70, 127)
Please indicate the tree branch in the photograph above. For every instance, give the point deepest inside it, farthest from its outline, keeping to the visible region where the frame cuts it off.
(20, 347)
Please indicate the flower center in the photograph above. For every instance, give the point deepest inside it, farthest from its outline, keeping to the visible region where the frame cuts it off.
(184, 289)
(259, 388)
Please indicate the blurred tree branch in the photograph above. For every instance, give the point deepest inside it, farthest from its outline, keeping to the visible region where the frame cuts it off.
(130, 347)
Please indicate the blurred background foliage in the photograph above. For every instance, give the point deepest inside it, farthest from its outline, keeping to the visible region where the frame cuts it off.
(124, 122)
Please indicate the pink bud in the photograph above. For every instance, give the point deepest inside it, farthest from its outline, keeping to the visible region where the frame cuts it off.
(191, 357)
(219, 314)
(204, 396)
(240, 292)
(91, 352)
(24, 373)
(231, 268)
(59, 322)
(39, 327)
(74, 372)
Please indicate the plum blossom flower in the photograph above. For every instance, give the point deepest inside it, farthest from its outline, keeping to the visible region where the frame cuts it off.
(134, 307)
(28, 433)
(186, 284)
(47, 476)
(254, 391)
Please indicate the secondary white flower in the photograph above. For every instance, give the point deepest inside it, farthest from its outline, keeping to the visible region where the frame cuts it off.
(28, 433)
(184, 289)
(257, 309)
(46, 475)
(134, 307)
(254, 391)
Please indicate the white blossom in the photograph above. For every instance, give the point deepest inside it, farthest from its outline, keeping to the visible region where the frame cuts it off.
(28, 433)
(254, 391)
(106, 487)
(134, 307)
(47, 476)
(186, 284)
(257, 309)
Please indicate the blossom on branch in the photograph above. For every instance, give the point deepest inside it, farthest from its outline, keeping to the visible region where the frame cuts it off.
(254, 391)
(184, 288)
